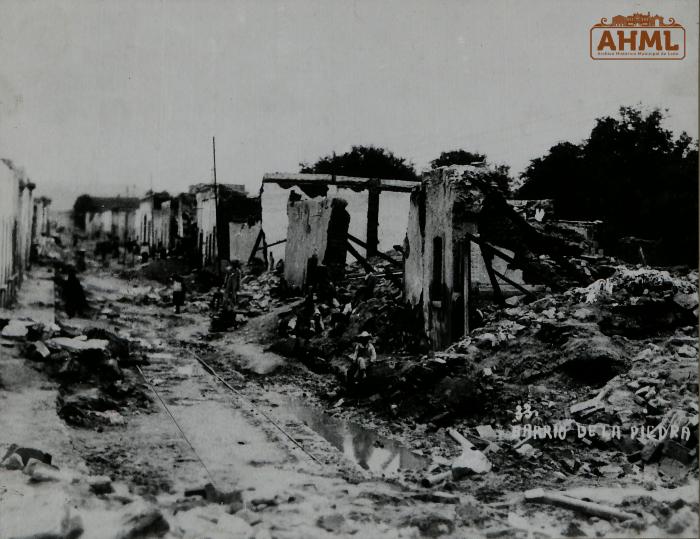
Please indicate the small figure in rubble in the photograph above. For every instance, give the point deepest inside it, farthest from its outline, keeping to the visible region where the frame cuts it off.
(178, 293)
(232, 284)
(317, 325)
(340, 318)
(73, 294)
(304, 319)
(364, 355)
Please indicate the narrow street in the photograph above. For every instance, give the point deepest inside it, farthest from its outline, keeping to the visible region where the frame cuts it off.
(197, 431)
(237, 446)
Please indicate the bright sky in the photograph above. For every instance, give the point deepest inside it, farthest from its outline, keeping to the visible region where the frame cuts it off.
(96, 96)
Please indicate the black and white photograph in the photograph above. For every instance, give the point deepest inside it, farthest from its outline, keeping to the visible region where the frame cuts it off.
(299, 269)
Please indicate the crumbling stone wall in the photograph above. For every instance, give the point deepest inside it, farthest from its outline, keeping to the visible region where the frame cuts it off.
(436, 267)
(413, 248)
(309, 235)
(443, 268)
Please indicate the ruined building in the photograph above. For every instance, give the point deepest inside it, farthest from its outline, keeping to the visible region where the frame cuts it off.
(178, 224)
(112, 216)
(438, 254)
(41, 225)
(214, 225)
(466, 242)
(377, 207)
(149, 219)
(16, 220)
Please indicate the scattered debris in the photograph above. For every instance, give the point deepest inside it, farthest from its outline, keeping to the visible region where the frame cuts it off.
(590, 508)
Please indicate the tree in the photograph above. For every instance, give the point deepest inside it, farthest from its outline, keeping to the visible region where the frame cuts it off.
(457, 157)
(363, 161)
(82, 205)
(631, 173)
(499, 175)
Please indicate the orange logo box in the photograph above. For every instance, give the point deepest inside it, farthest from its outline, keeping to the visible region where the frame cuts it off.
(638, 36)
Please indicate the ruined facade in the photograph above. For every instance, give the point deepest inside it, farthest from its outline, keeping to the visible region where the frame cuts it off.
(112, 217)
(149, 220)
(177, 224)
(166, 221)
(316, 234)
(16, 228)
(183, 231)
(234, 206)
(41, 225)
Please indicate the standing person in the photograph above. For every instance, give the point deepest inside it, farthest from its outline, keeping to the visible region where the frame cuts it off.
(232, 285)
(364, 355)
(73, 295)
(178, 293)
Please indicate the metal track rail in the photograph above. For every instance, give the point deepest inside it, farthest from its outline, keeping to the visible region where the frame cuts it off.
(182, 432)
(258, 410)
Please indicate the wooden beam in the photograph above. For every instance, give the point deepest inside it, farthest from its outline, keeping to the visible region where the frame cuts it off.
(256, 246)
(497, 294)
(349, 182)
(361, 259)
(591, 508)
(273, 244)
(373, 219)
(518, 286)
(381, 255)
(484, 245)
(264, 246)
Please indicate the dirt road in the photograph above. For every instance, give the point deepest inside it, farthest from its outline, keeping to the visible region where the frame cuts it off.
(197, 431)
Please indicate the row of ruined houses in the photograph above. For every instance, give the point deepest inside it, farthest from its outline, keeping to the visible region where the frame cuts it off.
(316, 223)
(24, 220)
(208, 222)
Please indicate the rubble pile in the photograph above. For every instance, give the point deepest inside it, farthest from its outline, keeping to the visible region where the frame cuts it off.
(145, 295)
(259, 294)
(69, 504)
(323, 329)
(48, 250)
(559, 360)
(94, 389)
(549, 253)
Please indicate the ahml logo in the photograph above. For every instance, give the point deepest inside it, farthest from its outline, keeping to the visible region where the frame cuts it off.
(640, 36)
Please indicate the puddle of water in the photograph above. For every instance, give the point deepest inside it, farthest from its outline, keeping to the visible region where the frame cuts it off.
(366, 448)
(185, 370)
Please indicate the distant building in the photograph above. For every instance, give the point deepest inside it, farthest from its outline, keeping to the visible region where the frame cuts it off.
(234, 206)
(42, 223)
(113, 217)
(62, 221)
(149, 220)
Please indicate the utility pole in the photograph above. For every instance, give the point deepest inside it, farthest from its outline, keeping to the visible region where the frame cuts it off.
(216, 209)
